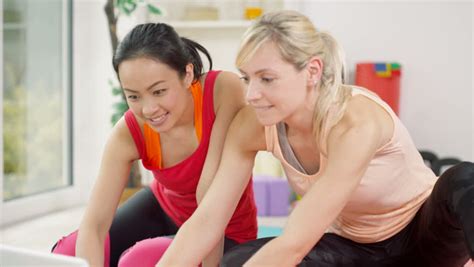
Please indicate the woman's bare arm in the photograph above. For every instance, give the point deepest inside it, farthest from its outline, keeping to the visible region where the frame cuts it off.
(200, 233)
(118, 155)
(351, 145)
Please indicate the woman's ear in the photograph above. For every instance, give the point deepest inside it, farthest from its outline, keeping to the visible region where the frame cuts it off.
(189, 76)
(314, 67)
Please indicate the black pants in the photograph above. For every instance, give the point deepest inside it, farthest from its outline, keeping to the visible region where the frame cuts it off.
(141, 217)
(440, 235)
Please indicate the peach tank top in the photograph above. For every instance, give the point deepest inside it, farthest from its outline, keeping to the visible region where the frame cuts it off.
(395, 185)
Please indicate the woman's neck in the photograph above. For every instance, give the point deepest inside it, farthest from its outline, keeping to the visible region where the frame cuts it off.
(301, 121)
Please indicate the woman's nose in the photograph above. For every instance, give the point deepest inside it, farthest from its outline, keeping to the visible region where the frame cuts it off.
(149, 108)
(253, 93)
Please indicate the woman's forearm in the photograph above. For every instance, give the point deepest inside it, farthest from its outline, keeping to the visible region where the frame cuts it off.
(90, 246)
(206, 227)
(194, 231)
(280, 251)
(215, 256)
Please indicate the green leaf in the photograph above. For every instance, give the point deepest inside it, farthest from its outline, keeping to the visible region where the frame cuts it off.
(115, 118)
(116, 91)
(121, 107)
(127, 6)
(153, 9)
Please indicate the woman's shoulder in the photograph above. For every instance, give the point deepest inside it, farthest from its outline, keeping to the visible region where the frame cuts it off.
(130, 124)
(221, 77)
(248, 130)
(226, 81)
(228, 90)
(363, 112)
(121, 137)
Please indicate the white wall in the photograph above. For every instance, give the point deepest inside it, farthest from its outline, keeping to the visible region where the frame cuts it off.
(433, 42)
(472, 75)
(92, 57)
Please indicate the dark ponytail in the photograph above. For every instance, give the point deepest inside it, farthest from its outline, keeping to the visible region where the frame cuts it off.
(193, 49)
(160, 41)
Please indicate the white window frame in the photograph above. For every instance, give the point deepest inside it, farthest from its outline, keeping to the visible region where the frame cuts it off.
(37, 204)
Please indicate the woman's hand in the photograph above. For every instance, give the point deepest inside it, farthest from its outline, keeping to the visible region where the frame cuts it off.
(277, 252)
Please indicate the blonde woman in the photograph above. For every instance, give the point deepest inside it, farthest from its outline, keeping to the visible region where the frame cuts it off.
(367, 197)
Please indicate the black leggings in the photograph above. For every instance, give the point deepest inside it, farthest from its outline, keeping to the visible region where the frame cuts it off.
(440, 235)
(139, 218)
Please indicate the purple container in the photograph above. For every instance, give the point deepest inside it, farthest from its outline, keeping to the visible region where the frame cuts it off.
(278, 197)
(260, 190)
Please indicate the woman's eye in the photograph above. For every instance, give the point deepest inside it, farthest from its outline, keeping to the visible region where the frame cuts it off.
(245, 79)
(132, 97)
(159, 91)
(267, 80)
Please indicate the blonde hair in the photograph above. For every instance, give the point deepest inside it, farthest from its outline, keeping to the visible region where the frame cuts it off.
(298, 41)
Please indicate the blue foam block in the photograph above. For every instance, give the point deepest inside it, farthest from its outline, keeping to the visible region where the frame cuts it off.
(268, 231)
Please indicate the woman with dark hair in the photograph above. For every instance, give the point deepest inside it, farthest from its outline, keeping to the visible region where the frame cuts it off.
(176, 125)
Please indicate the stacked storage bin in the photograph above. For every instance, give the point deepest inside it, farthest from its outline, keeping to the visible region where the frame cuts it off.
(383, 79)
(272, 195)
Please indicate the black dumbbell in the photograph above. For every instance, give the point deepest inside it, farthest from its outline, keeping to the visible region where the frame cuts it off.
(441, 165)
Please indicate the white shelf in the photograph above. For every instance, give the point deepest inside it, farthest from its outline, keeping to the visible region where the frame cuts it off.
(212, 24)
